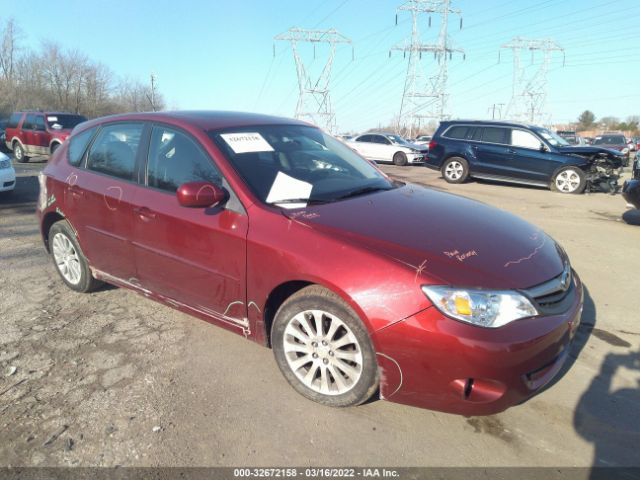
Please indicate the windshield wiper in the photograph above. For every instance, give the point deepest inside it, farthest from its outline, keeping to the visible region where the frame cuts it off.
(308, 201)
(361, 191)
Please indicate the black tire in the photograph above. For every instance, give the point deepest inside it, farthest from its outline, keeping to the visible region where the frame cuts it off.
(570, 180)
(87, 282)
(455, 170)
(400, 159)
(319, 298)
(19, 154)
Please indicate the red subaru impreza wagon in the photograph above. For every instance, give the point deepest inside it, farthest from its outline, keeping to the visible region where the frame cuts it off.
(275, 230)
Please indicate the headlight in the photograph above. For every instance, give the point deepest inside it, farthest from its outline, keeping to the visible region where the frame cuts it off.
(5, 163)
(485, 308)
(625, 151)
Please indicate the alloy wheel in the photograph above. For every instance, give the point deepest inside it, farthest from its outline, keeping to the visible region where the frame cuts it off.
(454, 170)
(66, 258)
(323, 352)
(568, 181)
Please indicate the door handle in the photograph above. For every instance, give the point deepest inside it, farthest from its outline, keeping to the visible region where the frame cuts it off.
(144, 213)
(510, 150)
(76, 191)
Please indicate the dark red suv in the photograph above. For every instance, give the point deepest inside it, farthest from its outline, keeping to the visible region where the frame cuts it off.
(38, 133)
(273, 229)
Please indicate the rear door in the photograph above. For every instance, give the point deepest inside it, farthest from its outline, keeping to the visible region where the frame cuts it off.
(102, 196)
(195, 256)
(364, 146)
(492, 151)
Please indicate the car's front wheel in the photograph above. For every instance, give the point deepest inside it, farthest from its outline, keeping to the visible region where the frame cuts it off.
(323, 349)
(455, 170)
(569, 180)
(19, 154)
(69, 260)
(400, 159)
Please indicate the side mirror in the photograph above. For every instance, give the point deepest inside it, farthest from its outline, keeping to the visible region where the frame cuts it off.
(543, 147)
(200, 194)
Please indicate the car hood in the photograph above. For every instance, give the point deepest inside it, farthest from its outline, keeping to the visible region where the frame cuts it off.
(452, 239)
(590, 150)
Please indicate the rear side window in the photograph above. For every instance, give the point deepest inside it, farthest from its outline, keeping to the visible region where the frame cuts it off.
(477, 134)
(495, 135)
(78, 145)
(115, 149)
(175, 158)
(457, 132)
(364, 138)
(14, 120)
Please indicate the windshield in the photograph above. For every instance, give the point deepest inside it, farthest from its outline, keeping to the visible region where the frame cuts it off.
(293, 165)
(59, 122)
(553, 138)
(397, 139)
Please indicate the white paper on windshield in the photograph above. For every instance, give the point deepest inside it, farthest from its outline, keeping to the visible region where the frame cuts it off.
(288, 188)
(249, 142)
(52, 119)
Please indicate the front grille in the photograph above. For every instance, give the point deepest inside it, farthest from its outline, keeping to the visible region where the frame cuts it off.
(8, 184)
(555, 295)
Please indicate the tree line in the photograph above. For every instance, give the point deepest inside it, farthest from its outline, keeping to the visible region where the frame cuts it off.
(588, 121)
(56, 78)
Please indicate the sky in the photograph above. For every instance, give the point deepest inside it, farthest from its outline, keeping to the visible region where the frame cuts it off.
(219, 55)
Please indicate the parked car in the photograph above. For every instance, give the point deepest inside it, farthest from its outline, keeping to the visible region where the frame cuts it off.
(38, 133)
(571, 137)
(422, 140)
(631, 143)
(386, 147)
(631, 188)
(7, 175)
(517, 153)
(614, 142)
(276, 231)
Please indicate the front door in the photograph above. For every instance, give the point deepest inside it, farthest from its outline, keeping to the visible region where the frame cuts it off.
(194, 256)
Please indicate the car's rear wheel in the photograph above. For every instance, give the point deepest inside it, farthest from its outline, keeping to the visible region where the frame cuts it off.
(69, 260)
(400, 159)
(455, 170)
(569, 180)
(19, 154)
(323, 349)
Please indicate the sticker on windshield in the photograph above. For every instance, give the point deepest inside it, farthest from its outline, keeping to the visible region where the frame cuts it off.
(249, 142)
(52, 119)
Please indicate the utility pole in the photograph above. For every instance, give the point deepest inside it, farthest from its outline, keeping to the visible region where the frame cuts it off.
(152, 95)
(529, 93)
(492, 109)
(425, 98)
(314, 100)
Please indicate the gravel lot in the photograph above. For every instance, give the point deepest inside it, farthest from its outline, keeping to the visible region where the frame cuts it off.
(111, 378)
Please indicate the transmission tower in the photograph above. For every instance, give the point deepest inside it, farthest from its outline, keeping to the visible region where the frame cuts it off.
(529, 92)
(314, 101)
(425, 98)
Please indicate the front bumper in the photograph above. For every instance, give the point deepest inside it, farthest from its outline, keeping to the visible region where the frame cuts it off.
(431, 361)
(631, 192)
(7, 179)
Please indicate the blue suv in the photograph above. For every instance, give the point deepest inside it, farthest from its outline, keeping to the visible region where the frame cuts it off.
(517, 153)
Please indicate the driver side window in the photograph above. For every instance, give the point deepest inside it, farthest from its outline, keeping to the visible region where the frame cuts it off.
(175, 158)
(520, 138)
